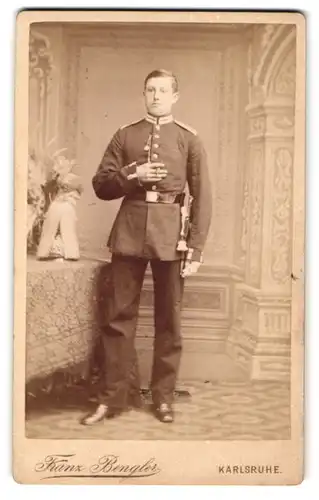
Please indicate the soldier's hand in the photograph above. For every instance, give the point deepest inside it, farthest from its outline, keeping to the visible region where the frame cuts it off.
(190, 268)
(151, 172)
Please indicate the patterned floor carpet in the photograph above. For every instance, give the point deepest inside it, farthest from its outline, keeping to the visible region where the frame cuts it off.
(215, 411)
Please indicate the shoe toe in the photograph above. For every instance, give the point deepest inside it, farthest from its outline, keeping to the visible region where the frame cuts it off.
(167, 418)
(165, 413)
(97, 416)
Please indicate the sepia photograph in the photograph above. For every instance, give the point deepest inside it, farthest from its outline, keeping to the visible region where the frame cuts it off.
(158, 177)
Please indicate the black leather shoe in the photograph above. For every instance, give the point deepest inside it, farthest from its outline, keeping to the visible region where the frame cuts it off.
(136, 402)
(164, 413)
(102, 412)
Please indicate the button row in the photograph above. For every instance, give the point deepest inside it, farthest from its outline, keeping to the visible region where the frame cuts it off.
(147, 148)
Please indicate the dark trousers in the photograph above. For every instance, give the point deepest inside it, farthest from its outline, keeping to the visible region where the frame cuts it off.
(121, 374)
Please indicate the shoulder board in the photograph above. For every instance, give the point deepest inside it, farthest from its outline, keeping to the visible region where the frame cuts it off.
(132, 123)
(186, 127)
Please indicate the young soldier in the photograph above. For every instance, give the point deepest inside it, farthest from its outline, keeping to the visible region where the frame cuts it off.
(149, 163)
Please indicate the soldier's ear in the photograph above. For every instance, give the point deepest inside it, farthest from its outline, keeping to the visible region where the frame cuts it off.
(175, 97)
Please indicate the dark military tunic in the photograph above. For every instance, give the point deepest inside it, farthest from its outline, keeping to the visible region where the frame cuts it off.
(147, 230)
(151, 230)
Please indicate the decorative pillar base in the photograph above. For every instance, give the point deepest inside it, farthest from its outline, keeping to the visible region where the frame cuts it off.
(259, 340)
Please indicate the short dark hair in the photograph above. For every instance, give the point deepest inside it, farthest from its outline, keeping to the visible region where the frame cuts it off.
(156, 73)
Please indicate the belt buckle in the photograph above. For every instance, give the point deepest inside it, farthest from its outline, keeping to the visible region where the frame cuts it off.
(152, 196)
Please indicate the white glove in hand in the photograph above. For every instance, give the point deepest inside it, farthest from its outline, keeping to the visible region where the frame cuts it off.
(189, 268)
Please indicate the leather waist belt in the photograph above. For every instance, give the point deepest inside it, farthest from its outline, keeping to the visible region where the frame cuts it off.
(156, 197)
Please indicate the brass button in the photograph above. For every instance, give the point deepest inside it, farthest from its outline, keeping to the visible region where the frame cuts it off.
(155, 156)
(146, 148)
(156, 136)
(157, 127)
(153, 188)
(155, 146)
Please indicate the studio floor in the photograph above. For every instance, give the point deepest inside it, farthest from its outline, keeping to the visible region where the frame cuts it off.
(215, 410)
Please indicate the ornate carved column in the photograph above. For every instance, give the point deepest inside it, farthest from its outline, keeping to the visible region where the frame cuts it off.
(45, 86)
(40, 69)
(260, 336)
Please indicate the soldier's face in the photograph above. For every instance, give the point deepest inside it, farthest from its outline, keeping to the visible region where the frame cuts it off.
(160, 96)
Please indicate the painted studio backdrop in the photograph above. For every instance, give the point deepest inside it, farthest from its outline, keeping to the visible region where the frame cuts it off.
(237, 86)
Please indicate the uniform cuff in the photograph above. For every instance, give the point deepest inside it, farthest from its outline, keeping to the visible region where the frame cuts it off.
(129, 171)
(194, 255)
